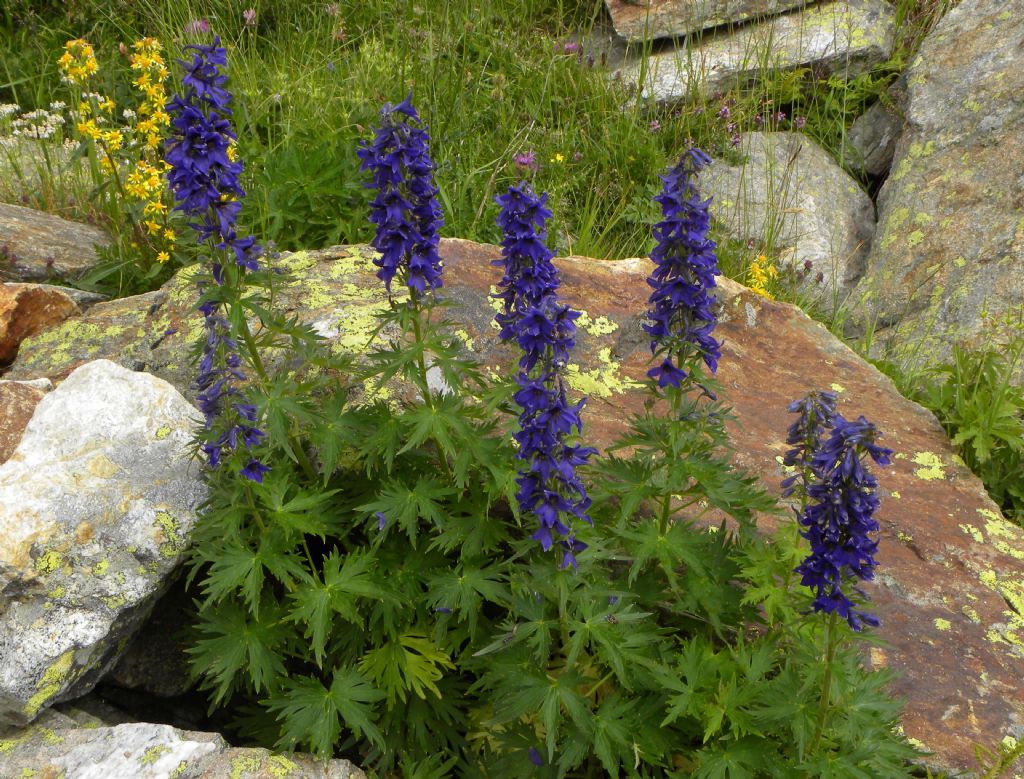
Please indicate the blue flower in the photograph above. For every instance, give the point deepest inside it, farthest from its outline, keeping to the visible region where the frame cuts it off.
(817, 412)
(681, 316)
(405, 210)
(205, 183)
(545, 331)
(839, 520)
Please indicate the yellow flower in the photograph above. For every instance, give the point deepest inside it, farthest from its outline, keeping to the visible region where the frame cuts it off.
(152, 227)
(89, 129)
(78, 61)
(113, 139)
(163, 257)
(169, 235)
(107, 105)
(107, 164)
(154, 207)
(761, 274)
(558, 158)
(232, 153)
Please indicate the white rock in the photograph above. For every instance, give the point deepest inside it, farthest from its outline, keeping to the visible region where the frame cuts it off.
(790, 194)
(846, 37)
(96, 506)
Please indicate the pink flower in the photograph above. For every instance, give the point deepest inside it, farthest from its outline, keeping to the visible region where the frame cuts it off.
(527, 161)
(197, 27)
(249, 14)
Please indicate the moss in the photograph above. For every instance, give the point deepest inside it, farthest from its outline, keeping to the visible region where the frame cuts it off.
(51, 683)
(280, 766)
(245, 764)
(114, 602)
(48, 562)
(151, 755)
(173, 540)
(931, 466)
(600, 382)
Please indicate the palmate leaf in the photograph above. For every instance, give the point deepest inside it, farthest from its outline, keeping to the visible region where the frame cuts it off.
(343, 582)
(310, 714)
(236, 568)
(464, 591)
(407, 505)
(412, 663)
(742, 759)
(238, 645)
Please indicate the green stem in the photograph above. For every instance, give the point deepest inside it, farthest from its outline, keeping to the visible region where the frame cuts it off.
(666, 506)
(826, 686)
(428, 398)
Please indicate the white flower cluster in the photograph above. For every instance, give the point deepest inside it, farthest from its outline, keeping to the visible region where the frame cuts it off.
(8, 109)
(40, 124)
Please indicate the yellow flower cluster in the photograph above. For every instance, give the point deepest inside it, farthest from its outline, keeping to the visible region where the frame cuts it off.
(761, 275)
(78, 62)
(139, 141)
(151, 75)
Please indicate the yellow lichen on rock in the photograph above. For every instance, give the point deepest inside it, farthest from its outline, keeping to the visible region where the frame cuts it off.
(931, 466)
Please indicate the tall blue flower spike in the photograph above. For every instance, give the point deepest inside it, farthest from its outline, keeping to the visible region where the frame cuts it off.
(680, 314)
(545, 330)
(405, 210)
(205, 183)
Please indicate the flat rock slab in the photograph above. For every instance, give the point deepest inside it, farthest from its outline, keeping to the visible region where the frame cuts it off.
(791, 196)
(950, 590)
(637, 21)
(96, 505)
(847, 37)
(57, 747)
(950, 241)
(28, 308)
(36, 246)
(18, 401)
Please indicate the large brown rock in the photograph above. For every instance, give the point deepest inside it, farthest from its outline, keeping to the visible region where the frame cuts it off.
(26, 309)
(949, 248)
(950, 590)
(36, 246)
(18, 401)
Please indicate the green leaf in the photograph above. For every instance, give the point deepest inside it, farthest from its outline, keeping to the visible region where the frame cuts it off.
(237, 645)
(344, 581)
(310, 714)
(412, 663)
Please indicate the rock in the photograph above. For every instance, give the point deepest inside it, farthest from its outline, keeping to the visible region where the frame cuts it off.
(640, 21)
(950, 239)
(26, 309)
(950, 590)
(18, 401)
(790, 196)
(847, 37)
(96, 505)
(871, 141)
(142, 750)
(36, 246)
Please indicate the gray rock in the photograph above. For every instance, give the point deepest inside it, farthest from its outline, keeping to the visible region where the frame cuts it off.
(790, 195)
(96, 505)
(36, 246)
(639, 21)
(847, 37)
(871, 142)
(141, 750)
(949, 248)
